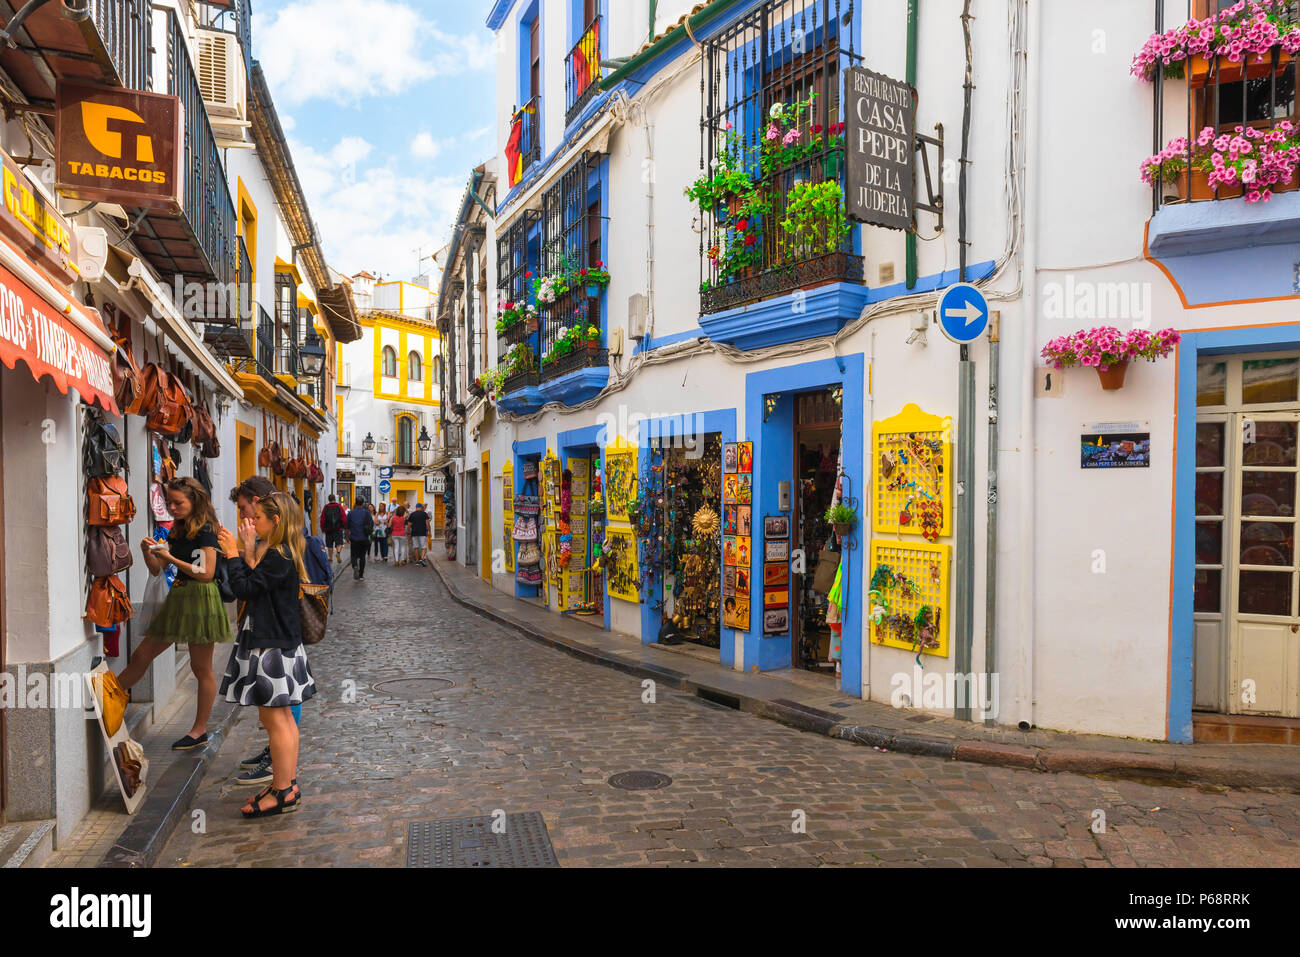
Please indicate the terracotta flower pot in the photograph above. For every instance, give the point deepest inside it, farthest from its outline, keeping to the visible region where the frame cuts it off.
(532, 323)
(593, 346)
(1113, 378)
(842, 528)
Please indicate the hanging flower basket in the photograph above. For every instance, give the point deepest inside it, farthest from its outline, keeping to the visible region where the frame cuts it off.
(1113, 377)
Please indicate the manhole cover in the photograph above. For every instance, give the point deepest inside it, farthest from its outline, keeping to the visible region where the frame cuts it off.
(422, 686)
(640, 780)
(502, 840)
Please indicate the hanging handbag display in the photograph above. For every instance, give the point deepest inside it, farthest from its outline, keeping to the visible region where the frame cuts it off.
(110, 502)
(314, 610)
(103, 454)
(167, 464)
(264, 456)
(314, 472)
(277, 453)
(173, 412)
(107, 552)
(112, 700)
(108, 604)
(296, 469)
(150, 390)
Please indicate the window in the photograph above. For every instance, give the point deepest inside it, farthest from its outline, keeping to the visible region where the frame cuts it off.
(389, 362)
(406, 440)
(437, 372)
(414, 367)
(573, 229)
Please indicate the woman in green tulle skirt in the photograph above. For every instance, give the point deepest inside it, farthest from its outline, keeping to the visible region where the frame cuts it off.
(193, 613)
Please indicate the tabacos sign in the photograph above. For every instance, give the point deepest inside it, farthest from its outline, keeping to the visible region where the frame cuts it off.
(36, 225)
(119, 146)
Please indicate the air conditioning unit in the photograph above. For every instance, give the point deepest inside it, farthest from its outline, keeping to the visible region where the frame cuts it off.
(222, 78)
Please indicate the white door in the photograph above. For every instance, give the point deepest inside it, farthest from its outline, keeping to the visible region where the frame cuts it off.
(1261, 492)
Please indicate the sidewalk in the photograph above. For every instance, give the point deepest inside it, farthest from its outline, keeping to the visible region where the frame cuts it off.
(811, 703)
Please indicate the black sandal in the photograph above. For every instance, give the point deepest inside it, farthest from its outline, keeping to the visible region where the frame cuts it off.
(281, 805)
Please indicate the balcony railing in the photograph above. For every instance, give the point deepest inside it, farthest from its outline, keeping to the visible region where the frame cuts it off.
(770, 193)
(262, 360)
(570, 310)
(582, 70)
(453, 439)
(525, 140)
(1247, 97)
(122, 27)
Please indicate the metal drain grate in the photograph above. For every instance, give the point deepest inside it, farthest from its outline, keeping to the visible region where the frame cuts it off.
(471, 842)
(420, 686)
(639, 781)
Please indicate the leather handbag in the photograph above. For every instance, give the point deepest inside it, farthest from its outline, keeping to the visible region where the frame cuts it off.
(127, 387)
(112, 700)
(150, 390)
(278, 464)
(314, 474)
(103, 453)
(108, 604)
(296, 468)
(167, 470)
(107, 552)
(110, 502)
(173, 411)
(264, 456)
(313, 610)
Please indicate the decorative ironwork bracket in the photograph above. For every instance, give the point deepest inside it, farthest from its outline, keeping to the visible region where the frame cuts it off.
(934, 200)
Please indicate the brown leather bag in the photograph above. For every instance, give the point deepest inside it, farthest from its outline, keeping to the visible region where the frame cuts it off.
(108, 604)
(264, 456)
(110, 502)
(296, 468)
(278, 464)
(150, 390)
(167, 470)
(127, 387)
(107, 552)
(174, 409)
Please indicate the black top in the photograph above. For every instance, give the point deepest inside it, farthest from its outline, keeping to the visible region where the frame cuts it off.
(187, 549)
(270, 615)
(418, 521)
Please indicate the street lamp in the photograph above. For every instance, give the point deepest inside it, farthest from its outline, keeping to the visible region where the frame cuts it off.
(368, 443)
(311, 358)
(424, 440)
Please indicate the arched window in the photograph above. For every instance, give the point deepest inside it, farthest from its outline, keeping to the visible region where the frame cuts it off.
(406, 440)
(437, 372)
(414, 367)
(389, 362)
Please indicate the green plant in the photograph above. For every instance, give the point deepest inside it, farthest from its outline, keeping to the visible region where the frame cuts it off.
(815, 220)
(841, 515)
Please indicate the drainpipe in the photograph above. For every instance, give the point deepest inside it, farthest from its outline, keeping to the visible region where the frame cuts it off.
(991, 531)
(651, 34)
(913, 29)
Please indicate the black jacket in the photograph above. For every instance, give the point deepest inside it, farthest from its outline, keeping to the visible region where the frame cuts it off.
(270, 592)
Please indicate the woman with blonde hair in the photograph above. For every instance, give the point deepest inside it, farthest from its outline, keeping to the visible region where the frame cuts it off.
(269, 668)
(193, 613)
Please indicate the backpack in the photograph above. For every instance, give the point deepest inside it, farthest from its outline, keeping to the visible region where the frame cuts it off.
(103, 453)
(317, 562)
(108, 553)
(332, 519)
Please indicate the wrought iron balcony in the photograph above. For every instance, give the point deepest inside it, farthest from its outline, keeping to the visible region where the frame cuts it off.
(198, 242)
(111, 46)
(453, 439)
(525, 140)
(582, 70)
(260, 357)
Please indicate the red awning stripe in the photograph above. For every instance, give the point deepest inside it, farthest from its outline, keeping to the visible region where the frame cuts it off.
(33, 331)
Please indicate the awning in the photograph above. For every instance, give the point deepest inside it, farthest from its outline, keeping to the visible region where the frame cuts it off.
(131, 273)
(53, 334)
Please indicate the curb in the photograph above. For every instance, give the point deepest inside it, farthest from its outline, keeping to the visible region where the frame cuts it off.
(1146, 768)
(169, 799)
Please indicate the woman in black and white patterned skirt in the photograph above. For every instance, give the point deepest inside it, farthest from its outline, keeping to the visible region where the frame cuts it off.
(269, 667)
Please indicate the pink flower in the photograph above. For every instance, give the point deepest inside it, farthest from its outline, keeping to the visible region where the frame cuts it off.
(772, 133)
(730, 126)
(791, 137)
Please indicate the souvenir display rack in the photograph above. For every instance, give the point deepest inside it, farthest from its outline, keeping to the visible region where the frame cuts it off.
(526, 528)
(908, 596)
(912, 468)
(508, 512)
(693, 550)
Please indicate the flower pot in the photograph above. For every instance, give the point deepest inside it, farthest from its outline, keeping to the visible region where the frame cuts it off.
(532, 324)
(593, 347)
(1113, 378)
(593, 290)
(843, 528)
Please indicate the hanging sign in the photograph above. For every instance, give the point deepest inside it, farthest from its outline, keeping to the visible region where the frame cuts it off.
(880, 145)
(435, 483)
(119, 146)
(37, 226)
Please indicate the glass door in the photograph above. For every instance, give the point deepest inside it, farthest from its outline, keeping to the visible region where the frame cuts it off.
(1264, 649)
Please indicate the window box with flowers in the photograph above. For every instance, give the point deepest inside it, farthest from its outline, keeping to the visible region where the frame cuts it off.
(1109, 351)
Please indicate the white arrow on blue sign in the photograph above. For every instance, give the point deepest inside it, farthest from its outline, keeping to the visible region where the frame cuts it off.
(963, 313)
(384, 487)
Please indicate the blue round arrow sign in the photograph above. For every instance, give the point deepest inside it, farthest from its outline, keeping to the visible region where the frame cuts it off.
(384, 487)
(963, 313)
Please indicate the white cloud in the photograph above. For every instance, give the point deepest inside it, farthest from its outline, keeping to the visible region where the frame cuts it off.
(374, 218)
(345, 50)
(424, 146)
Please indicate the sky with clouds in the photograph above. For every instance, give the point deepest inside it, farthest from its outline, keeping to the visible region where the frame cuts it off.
(387, 105)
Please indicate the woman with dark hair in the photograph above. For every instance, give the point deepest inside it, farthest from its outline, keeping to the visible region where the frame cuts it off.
(193, 613)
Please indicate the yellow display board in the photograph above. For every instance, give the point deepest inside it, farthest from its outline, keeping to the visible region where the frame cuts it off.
(620, 478)
(508, 511)
(912, 474)
(621, 572)
(924, 568)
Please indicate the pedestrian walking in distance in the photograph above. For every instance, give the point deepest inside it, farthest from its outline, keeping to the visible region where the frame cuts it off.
(269, 668)
(332, 518)
(193, 613)
(418, 523)
(382, 518)
(397, 529)
(361, 524)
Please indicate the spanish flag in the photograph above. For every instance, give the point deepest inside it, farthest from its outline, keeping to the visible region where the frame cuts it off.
(514, 151)
(584, 61)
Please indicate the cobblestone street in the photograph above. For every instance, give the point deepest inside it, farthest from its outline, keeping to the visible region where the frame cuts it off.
(527, 728)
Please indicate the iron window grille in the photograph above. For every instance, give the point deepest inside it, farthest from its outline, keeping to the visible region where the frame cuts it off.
(572, 225)
(767, 238)
(1257, 92)
(518, 260)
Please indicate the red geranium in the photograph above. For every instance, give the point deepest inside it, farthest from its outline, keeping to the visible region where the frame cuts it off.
(742, 226)
(583, 272)
(750, 239)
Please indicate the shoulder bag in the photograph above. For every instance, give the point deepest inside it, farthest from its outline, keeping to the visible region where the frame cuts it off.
(314, 610)
(110, 502)
(103, 453)
(108, 605)
(107, 552)
(264, 456)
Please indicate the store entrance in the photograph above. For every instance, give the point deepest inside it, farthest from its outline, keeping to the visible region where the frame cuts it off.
(690, 517)
(817, 433)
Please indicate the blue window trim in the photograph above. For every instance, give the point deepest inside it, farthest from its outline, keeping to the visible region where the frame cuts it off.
(582, 441)
(526, 17)
(722, 421)
(1182, 626)
(527, 449)
(496, 17)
